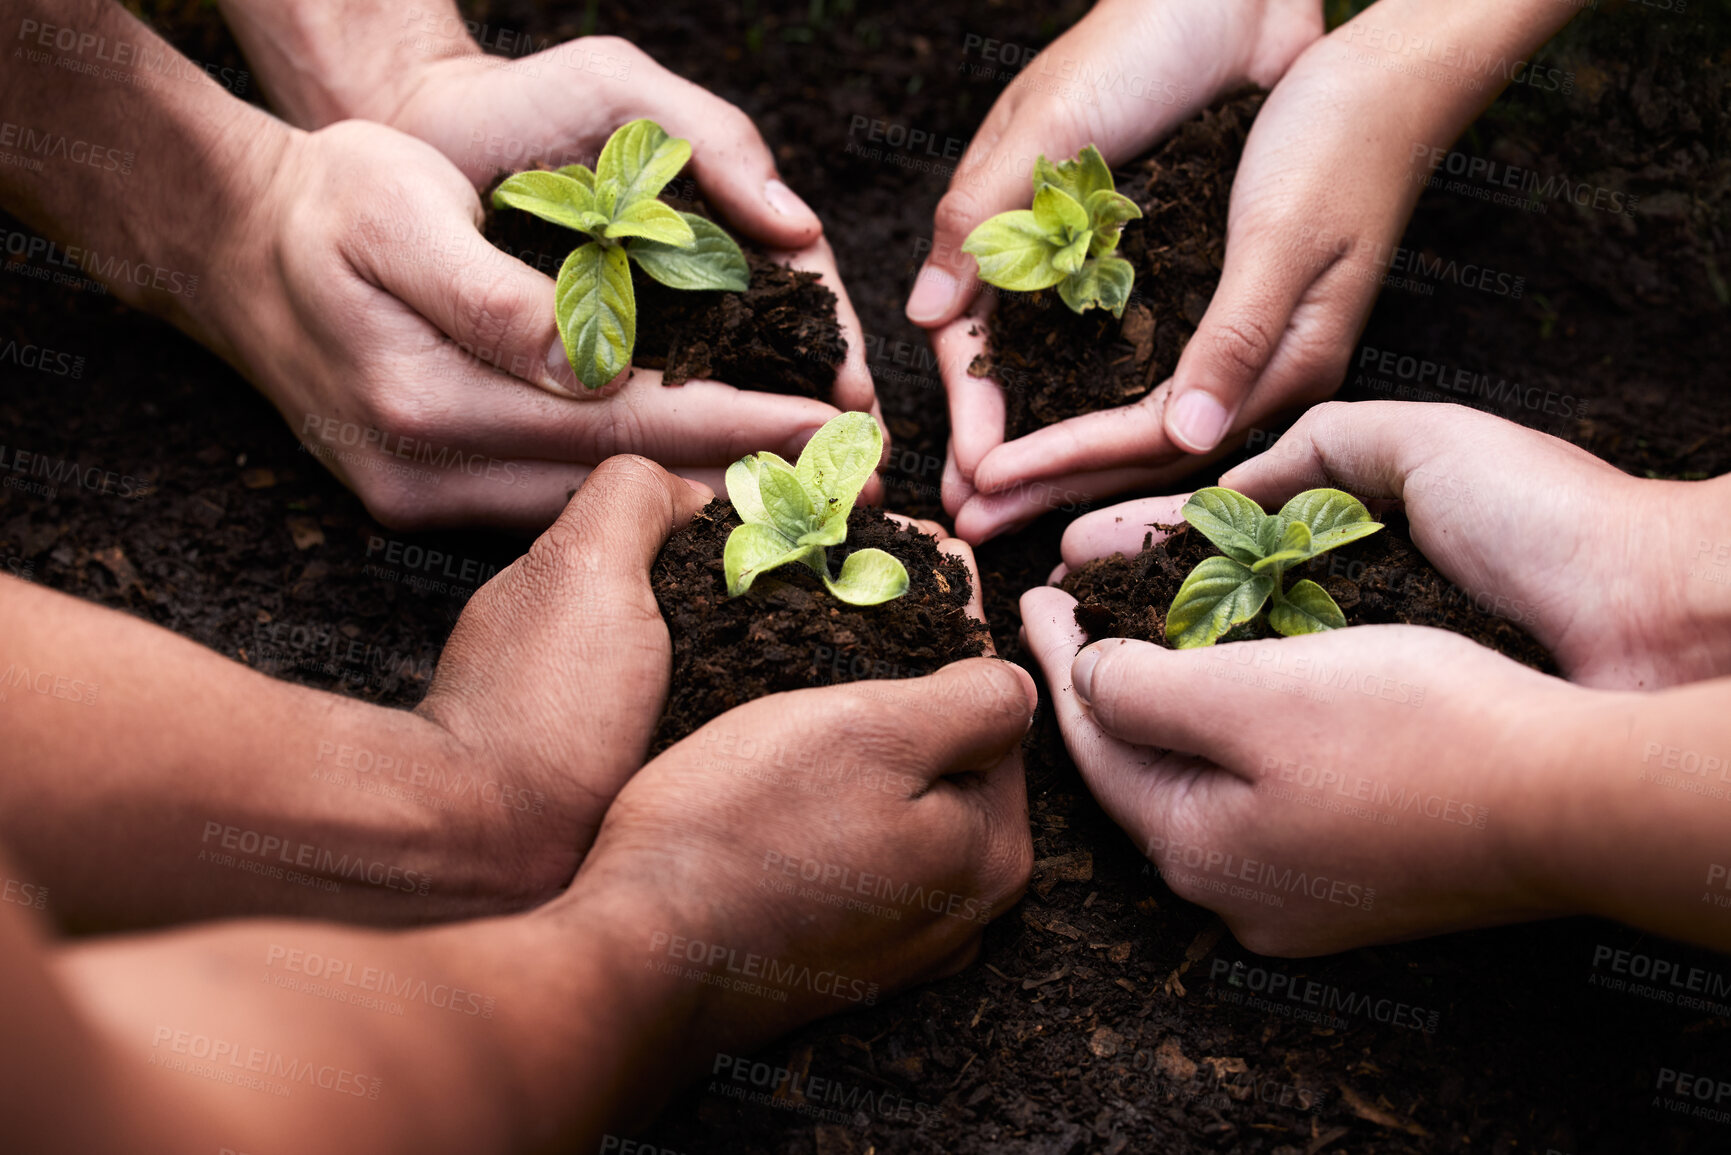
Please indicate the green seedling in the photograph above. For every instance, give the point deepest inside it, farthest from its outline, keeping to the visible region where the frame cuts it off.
(1067, 239)
(1222, 592)
(616, 207)
(794, 513)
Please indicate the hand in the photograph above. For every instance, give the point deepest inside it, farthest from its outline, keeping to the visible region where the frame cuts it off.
(397, 342)
(1306, 255)
(1628, 611)
(863, 834)
(1174, 59)
(1326, 791)
(560, 105)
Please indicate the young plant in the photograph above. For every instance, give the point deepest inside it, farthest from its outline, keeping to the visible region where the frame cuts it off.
(1067, 239)
(1221, 592)
(794, 513)
(616, 207)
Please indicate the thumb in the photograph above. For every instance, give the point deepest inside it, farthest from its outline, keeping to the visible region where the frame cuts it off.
(619, 519)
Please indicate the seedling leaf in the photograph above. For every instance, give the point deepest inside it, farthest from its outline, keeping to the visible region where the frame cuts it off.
(1217, 595)
(551, 196)
(1056, 212)
(1293, 547)
(1306, 608)
(597, 313)
(1104, 282)
(1086, 174)
(1014, 252)
(835, 465)
(742, 490)
(640, 158)
(753, 549)
(1334, 517)
(712, 261)
(869, 577)
(1228, 519)
(785, 500)
(654, 221)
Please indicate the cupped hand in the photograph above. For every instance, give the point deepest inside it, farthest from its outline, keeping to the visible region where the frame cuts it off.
(403, 348)
(1595, 564)
(1120, 79)
(492, 117)
(1320, 792)
(811, 852)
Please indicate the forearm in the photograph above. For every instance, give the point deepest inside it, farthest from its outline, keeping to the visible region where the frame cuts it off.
(180, 160)
(327, 60)
(1630, 816)
(146, 779)
(519, 1034)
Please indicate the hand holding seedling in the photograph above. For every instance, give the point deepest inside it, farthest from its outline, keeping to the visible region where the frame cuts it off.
(1120, 79)
(419, 71)
(1518, 519)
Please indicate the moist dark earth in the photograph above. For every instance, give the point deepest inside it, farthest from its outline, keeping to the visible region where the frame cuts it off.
(1103, 1015)
(788, 632)
(1054, 363)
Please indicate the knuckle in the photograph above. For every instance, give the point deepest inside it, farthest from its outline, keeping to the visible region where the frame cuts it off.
(1244, 344)
(396, 506)
(401, 413)
(956, 215)
(492, 310)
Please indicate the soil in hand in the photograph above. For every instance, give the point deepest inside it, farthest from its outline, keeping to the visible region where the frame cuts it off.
(779, 336)
(788, 633)
(1378, 580)
(1055, 364)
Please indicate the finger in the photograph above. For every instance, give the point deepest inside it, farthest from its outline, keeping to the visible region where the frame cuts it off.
(1106, 763)
(953, 491)
(985, 516)
(853, 379)
(1367, 447)
(963, 719)
(1129, 435)
(976, 403)
(1120, 528)
(956, 547)
(729, 160)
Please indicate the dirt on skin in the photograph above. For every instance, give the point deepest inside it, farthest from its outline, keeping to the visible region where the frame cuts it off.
(789, 633)
(779, 336)
(1054, 363)
(1378, 580)
(1104, 1014)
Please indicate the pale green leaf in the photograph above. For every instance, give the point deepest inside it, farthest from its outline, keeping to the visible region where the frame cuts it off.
(1013, 252)
(1058, 214)
(785, 500)
(835, 465)
(1069, 259)
(581, 174)
(641, 158)
(1292, 547)
(1103, 282)
(869, 577)
(712, 261)
(1217, 595)
(742, 490)
(1081, 177)
(1228, 519)
(597, 313)
(1107, 212)
(653, 221)
(1334, 517)
(753, 549)
(551, 196)
(1306, 608)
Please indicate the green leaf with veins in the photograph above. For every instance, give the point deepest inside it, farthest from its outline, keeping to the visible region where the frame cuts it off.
(1014, 252)
(1217, 595)
(1292, 547)
(753, 549)
(869, 577)
(551, 196)
(597, 313)
(835, 465)
(1068, 260)
(789, 505)
(579, 173)
(742, 489)
(1334, 517)
(1058, 213)
(653, 221)
(1228, 519)
(640, 158)
(713, 260)
(1107, 212)
(1102, 282)
(1306, 608)
(1088, 173)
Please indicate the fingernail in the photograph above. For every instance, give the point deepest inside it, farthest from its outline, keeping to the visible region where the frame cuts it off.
(786, 202)
(933, 292)
(560, 377)
(1197, 421)
(1082, 674)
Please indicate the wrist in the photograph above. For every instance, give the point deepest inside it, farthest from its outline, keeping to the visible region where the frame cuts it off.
(1689, 570)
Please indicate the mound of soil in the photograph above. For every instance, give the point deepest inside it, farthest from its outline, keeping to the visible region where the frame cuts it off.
(1055, 364)
(789, 633)
(779, 336)
(1378, 580)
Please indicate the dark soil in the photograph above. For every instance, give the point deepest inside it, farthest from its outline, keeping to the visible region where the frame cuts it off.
(1055, 364)
(1069, 1036)
(779, 336)
(788, 633)
(1378, 580)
